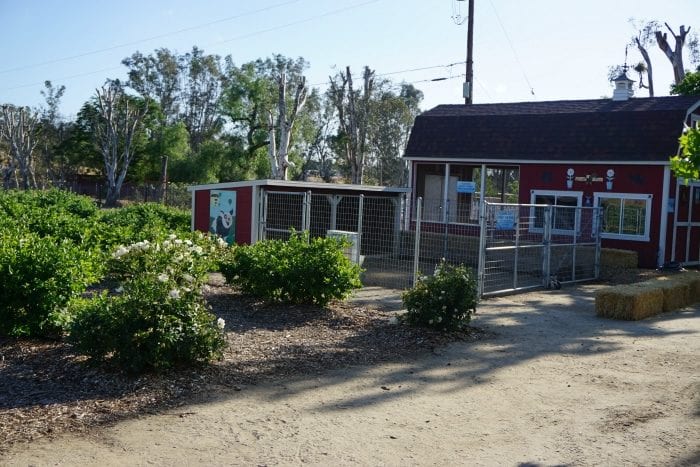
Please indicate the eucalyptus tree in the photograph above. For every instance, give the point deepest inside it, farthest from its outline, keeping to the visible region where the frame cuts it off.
(203, 82)
(262, 101)
(675, 53)
(390, 121)
(114, 120)
(19, 130)
(353, 108)
(54, 133)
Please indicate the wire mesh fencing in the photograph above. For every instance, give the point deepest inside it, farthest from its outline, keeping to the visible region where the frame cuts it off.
(529, 245)
(510, 246)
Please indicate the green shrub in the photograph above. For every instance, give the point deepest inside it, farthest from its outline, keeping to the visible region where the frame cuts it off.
(157, 317)
(295, 271)
(147, 221)
(446, 300)
(39, 275)
(54, 213)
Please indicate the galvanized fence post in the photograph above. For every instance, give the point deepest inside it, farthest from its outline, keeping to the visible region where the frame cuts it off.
(546, 245)
(416, 240)
(306, 214)
(598, 215)
(481, 266)
(360, 214)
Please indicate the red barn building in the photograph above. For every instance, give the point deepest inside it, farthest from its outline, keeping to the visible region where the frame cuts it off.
(612, 153)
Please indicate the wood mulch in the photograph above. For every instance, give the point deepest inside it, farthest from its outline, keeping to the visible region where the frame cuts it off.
(47, 389)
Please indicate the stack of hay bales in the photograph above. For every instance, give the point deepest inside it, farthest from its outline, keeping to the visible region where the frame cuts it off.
(648, 298)
(614, 262)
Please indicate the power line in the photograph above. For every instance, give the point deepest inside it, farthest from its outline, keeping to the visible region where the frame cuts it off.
(64, 78)
(254, 33)
(294, 23)
(408, 70)
(147, 39)
(515, 54)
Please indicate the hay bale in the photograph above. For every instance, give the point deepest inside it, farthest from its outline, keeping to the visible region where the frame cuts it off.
(676, 292)
(629, 302)
(614, 261)
(692, 279)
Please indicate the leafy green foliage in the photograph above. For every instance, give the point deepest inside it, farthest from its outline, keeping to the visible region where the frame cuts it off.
(299, 270)
(56, 213)
(687, 164)
(690, 86)
(157, 317)
(39, 275)
(446, 300)
(146, 221)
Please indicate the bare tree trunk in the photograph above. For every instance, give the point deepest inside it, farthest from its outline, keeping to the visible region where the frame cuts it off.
(279, 153)
(18, 128)
(115, 128)
(647, 60)
(674, 55)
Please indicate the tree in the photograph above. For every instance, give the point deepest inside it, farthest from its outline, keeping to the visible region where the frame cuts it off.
(54, 132)
(200, 95)
(317, 127)
(675, 54)
(157, 77)
(263, 100)
(646, 32)
(115, 123)
(353, 111)
(18, 128)
(686, 164)
(390, 122)
(690, 86)
(281, 124)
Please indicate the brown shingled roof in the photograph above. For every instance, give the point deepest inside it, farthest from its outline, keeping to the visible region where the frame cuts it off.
(641, 129)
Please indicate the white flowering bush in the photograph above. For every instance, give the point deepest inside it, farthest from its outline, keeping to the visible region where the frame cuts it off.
(446, 300)
(156, 316)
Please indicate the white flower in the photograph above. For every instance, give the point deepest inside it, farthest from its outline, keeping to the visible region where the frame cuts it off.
(188, 242)
(167, 244)
(221, 323)
(121, 251)
(175, 294)
(197, 249)
(119, 289)
(442, 292)
(439, 320)
(177, 241)
(163, 277)
(188, 278)
(172, 236)
(221, 241)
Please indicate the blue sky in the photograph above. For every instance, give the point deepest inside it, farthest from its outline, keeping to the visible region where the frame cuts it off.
(559, 49)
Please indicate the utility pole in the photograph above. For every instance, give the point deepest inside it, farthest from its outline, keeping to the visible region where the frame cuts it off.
(468, 90)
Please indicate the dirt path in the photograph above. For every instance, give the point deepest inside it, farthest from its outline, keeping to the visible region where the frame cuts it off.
(555, 385)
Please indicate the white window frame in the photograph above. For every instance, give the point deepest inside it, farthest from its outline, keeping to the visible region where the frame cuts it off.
(556, 193)
(624, 196)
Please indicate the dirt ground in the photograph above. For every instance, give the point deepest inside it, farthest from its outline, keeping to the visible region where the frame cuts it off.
(551, 385)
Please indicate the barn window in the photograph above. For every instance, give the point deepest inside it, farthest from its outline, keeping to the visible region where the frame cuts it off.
(564, 215)
(625, 216)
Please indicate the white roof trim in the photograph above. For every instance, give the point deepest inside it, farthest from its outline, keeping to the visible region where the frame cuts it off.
(293, 184)
(438, 160)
